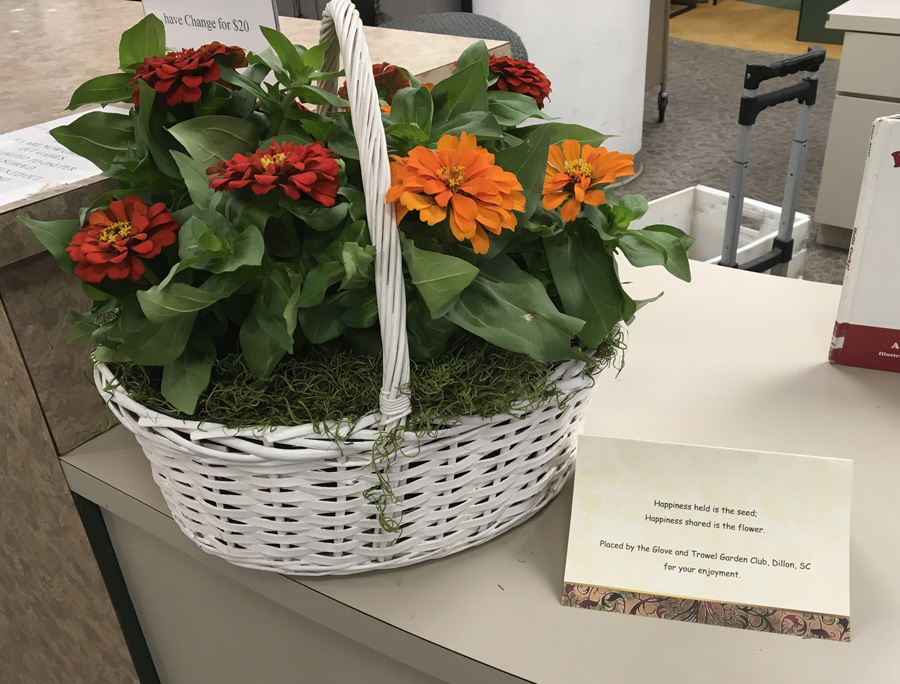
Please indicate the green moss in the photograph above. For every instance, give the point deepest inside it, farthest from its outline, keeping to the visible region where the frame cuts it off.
(323, 387)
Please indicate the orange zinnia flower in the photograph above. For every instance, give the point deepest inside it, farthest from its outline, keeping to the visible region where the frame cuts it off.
(462, 177)
(573, 174)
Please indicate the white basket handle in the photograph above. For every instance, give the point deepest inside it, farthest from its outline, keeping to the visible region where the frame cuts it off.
(343, 30)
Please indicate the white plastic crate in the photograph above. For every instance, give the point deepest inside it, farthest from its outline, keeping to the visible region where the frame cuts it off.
(700, 212)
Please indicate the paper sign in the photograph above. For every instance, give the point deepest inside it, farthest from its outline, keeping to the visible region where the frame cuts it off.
(31, 162)
(192, 23)
(745, 539)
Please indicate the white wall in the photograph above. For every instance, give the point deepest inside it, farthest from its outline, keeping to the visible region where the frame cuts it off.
(595, 54)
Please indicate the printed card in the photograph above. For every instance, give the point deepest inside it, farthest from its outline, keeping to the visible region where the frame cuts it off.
(198, 22)
(736, 538)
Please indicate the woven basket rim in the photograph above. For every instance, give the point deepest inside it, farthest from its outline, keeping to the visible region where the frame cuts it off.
(366, 428)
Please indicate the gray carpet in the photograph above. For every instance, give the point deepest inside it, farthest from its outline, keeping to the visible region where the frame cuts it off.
(696, 144)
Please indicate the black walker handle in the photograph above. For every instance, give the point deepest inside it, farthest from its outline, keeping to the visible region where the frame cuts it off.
(804, 91)
(757, 73)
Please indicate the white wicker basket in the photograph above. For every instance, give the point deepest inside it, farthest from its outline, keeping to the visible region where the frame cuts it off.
(293, 500)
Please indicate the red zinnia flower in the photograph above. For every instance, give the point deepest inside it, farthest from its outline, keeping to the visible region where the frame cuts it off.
(310, 169)
(388, 80)
(114, 240)
(179, 75)
(519, 76)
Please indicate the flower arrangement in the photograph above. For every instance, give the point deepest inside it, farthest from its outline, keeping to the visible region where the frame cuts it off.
(238, 229)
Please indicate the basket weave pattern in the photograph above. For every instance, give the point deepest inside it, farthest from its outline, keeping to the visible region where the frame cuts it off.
(292, 499)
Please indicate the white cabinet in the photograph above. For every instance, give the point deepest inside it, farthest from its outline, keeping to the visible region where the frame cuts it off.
(868, 87)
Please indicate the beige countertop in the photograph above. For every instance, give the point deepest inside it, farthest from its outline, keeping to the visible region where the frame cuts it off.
(733, 359)
(53, 46)
(866, 16)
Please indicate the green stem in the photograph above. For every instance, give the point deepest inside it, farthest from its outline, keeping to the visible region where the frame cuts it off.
(278, 115)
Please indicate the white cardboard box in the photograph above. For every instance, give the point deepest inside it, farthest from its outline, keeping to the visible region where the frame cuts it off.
(700, 212)
(867, 329)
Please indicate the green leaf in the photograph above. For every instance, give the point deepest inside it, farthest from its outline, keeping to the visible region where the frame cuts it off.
(143, 341)
(409, 132)
(342, 140)
(267, 333)
(211, 138)
(182, 265)
(511, 109)
(94, 294)
(104, 354)
(287, 53)
(55, 236)
(317, 282)
(641, 252)
(632, 306)
(480, 124)
(428, 337)
(81, 333)
(247, 249)
(196, 180)
(643, 248)
(192, 232)
(326, 75)
(145, 114)
(361, 308)
(464, 91)
(413, 106)
(247, 83)
(315, 215)
(314, 59)
(476, 53)
(317, 96)
(511, 309)
(185, 378)
(556, 132)
(529, 160)
(439, 278)
(358, 265)
(606, 231)
(282, 138)
(254, 211)
(209, 242)
(357, 199)
(96, 136)
(229, 282)
(356, 232)
(622, 216)
(637, 203)
(588, 284)
(161, 305)
(201, 247)
(101, 90)
(669, 246)
(318, 130)
(217, 98)
(683, 238)
(324, 322)
(147, 38)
